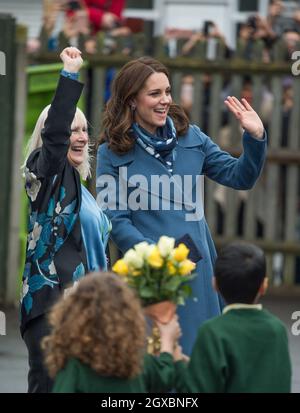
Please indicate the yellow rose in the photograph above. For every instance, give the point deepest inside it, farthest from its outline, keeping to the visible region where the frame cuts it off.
(171, 268)
(155, 260)
(180, 253)
(186, 267)
(120, 267)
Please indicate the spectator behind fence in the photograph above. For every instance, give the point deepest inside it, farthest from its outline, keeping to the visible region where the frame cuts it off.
(256, 29)
(102, 14)
(149, 136)
(74, 18)
(67, 231)
(210, 34)
(277, 19)
(60, 29)
(291, 39)
(245, 350)
(97, 343)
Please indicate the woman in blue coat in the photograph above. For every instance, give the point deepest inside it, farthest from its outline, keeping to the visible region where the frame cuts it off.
(150, 174)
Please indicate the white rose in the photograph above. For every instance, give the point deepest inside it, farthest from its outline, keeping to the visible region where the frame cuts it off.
(133, 259)
(165, 245)
(143, 249)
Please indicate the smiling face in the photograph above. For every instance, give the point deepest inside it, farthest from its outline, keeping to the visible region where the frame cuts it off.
(78, 141)
(153, 102)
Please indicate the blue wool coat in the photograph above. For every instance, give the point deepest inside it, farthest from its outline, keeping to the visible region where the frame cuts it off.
(195, 155)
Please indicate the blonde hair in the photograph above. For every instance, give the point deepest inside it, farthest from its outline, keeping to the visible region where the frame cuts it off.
(36, 142)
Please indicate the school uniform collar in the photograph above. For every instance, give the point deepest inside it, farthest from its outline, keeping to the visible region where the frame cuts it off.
(240, 306)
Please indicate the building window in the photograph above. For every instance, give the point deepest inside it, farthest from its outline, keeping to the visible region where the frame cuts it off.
(138, 4)
(248, 5)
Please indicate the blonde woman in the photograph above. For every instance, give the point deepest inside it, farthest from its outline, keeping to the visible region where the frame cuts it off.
(67, 231)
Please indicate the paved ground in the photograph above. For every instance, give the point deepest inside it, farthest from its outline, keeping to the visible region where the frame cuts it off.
(13, 361)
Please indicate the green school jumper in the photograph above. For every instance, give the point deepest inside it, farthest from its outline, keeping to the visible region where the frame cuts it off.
(158, 376)
(245, 350)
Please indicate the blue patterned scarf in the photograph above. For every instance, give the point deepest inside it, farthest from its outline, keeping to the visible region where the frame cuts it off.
(160, 145)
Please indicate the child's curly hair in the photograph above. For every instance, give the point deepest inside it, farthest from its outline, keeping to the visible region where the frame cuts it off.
(100, 323)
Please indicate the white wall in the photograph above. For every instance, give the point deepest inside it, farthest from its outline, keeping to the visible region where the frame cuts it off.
(27, 12)
(180, 16)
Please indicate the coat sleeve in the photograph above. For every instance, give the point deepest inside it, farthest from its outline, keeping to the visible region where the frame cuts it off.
(57, 129)
(237, 173)
(124, 234)
(207, 369)
(159, 373)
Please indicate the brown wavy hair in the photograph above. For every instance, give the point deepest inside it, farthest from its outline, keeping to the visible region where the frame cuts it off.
(118, 115)
(100, 323)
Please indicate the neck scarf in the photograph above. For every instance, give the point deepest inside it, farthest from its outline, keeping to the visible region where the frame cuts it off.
(160, 145)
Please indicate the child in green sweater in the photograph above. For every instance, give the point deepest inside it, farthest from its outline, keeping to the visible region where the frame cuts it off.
(97, 341)
(245, 350)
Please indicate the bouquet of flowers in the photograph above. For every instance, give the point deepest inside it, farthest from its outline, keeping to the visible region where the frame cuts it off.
(158, 272)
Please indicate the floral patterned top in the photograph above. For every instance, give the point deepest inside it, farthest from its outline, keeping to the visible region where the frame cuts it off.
(55, 254)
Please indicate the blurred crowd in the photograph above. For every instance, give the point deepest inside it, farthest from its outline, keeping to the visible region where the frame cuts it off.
(97, 26)
(256, 32)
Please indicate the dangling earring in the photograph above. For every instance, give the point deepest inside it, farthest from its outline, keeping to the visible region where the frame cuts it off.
(132, 110)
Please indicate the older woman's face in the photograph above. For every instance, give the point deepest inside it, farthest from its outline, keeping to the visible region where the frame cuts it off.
(78, 141)
(153, 102)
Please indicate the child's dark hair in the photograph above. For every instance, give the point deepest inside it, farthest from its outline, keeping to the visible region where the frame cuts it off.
(240, 270)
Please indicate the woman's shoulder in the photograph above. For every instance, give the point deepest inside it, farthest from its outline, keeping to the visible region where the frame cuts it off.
(116, 159)
(193, 137)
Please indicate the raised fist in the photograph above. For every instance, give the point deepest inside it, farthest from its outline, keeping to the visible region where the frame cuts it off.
(71, 57)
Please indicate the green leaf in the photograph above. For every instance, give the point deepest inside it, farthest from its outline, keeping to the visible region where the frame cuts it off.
(173, 283)
(147, 292)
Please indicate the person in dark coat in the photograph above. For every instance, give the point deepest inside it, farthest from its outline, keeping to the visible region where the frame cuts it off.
(67, 231)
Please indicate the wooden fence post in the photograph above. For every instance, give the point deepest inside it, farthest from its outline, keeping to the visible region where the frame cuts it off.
(7, 106)
(13, 241)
